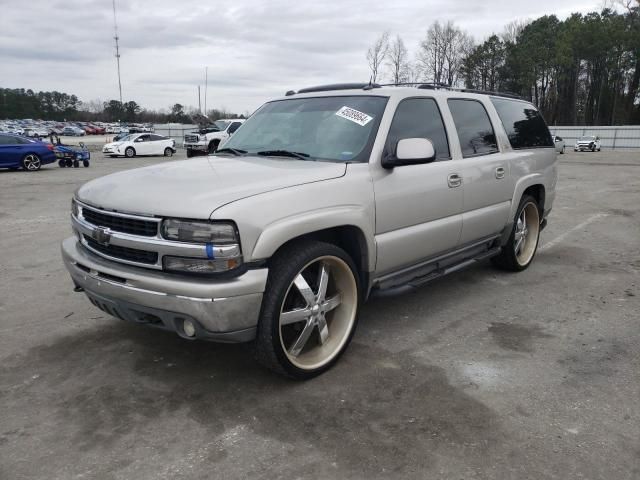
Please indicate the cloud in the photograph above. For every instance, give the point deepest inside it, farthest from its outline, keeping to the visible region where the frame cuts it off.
(254, 49)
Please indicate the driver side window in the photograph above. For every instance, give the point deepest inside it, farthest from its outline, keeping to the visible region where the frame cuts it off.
(418, 118)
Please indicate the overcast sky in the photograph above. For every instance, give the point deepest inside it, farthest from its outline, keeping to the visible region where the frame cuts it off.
(254, 49)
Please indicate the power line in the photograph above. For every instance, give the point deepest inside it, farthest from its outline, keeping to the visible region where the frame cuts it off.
(116, 38)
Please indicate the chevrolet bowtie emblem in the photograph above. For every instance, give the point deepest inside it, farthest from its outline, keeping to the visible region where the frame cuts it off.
(102, 235)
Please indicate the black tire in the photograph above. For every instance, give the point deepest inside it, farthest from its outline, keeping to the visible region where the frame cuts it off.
(68, 163)
(31, 162)
(562, 151)
(213, 146)
(509, 259)
(85, 163)
(61, 163)
(189, 153)
(284, 268)
(129, 152)
(76, 164)
(168, 152)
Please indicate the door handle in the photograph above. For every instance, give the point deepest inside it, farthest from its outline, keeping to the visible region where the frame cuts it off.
(454, 180)
(499, 173)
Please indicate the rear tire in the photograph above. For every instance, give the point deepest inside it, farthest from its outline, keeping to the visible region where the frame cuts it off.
(522, 245)
(61, 163)
(85, 163)
(189, 153)
(76, 164)
(31, 162)
(309, 310)
(168, 152)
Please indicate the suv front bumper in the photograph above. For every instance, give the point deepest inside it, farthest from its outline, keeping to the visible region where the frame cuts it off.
(225, 310)
(202, 147)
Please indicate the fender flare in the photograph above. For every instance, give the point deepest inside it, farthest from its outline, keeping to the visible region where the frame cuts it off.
(276, 234)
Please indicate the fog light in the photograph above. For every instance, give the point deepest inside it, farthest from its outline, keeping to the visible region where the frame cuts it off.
(189, 328)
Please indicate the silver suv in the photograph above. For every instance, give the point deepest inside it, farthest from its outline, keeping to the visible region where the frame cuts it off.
(321, 199)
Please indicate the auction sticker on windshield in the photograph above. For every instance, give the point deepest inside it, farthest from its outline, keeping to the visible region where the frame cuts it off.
(354, 115)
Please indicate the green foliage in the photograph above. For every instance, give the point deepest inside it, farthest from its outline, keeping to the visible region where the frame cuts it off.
(584, 70)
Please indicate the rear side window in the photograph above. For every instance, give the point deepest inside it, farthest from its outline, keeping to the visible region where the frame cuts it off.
(524, 125)
(474, 128)
(419, 118)
(234, 126)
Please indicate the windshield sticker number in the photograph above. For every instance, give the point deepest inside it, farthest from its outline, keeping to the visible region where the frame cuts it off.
(354, 115)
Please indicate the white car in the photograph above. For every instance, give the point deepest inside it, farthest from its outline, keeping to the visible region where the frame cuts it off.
(559, 143)
(141, 144)
(589, 142)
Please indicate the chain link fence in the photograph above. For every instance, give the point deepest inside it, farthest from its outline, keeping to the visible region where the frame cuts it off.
(612, 138)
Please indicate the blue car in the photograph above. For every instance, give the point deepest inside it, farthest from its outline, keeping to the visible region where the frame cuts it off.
(22, 152)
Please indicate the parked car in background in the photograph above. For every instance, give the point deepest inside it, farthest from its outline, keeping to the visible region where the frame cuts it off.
(112, 129)
(21, 152)
(36, 132)
(559, 143)
(137, 144)
(208, 138)
(322, 197)
(589, 142)
(98, 130)
(73, 131)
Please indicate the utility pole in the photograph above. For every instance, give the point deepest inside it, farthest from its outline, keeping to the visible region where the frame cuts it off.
(116, 38)
(206, 84)
(199, 104)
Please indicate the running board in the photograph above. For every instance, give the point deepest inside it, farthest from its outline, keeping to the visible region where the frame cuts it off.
(391, 287)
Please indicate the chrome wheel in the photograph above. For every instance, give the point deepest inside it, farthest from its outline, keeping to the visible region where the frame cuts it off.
(525, 239)
(31, 162)
(318, 312)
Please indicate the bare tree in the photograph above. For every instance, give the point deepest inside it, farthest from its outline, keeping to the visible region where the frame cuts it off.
(442, 52)
(398, 61)
(513, 29)
(376, 55)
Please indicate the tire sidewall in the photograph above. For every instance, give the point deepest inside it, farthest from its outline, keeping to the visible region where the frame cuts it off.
(524, 201)
(277, 287)
(129, 152)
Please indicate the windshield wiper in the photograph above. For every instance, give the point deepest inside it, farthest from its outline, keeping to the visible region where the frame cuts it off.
(235, 151)
(283, 153)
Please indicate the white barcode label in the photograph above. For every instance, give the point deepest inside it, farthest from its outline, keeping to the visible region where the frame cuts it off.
(354, 115)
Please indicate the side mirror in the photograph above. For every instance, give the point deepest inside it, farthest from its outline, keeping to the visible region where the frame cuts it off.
(411, 151)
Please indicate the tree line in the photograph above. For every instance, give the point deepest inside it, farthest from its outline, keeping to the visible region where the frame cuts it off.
(19, 103)
(584, 70)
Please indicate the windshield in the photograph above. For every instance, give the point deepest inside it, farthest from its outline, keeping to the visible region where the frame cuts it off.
(220, 124)
(340, 129)
(587, 139)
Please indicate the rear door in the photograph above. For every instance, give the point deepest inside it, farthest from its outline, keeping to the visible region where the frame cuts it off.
(488, 187)
(8, 156)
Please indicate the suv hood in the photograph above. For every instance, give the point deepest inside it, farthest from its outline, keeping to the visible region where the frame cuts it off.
(195, 188)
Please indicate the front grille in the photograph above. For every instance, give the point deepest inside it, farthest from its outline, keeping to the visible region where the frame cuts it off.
(191, 138)
(123, 253)
(133, 226)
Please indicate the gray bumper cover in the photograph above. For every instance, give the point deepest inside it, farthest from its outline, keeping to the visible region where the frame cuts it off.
(224, 310)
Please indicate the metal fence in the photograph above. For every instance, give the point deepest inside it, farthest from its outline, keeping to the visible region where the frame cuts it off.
(174, 130)
(613, 138)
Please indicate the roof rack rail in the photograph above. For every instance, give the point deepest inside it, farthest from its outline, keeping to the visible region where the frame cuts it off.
(421, 85)
(335, 86)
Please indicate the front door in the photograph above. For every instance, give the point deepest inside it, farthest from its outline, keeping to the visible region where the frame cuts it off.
(418, 207)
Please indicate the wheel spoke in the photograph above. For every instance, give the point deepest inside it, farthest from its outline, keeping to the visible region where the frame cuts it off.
(524, 219)
(323, 329)
(294, 316)
(299, 344)
(519, 245)
(305, 290)
(323, 281)
(331, 303)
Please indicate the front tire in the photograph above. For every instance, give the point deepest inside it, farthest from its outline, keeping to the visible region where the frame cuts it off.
(522, 245)
(129, 152)
(31, 162)
(309, 310)
(189, 153)
(213, 146)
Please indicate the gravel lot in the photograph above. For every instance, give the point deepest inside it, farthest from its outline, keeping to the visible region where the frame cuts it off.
(481, 374)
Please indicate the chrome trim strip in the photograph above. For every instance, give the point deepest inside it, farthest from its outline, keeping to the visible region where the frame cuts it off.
(118, 214)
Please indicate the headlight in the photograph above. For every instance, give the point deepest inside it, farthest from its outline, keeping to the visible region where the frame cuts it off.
(218, 233)
(74, 208)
